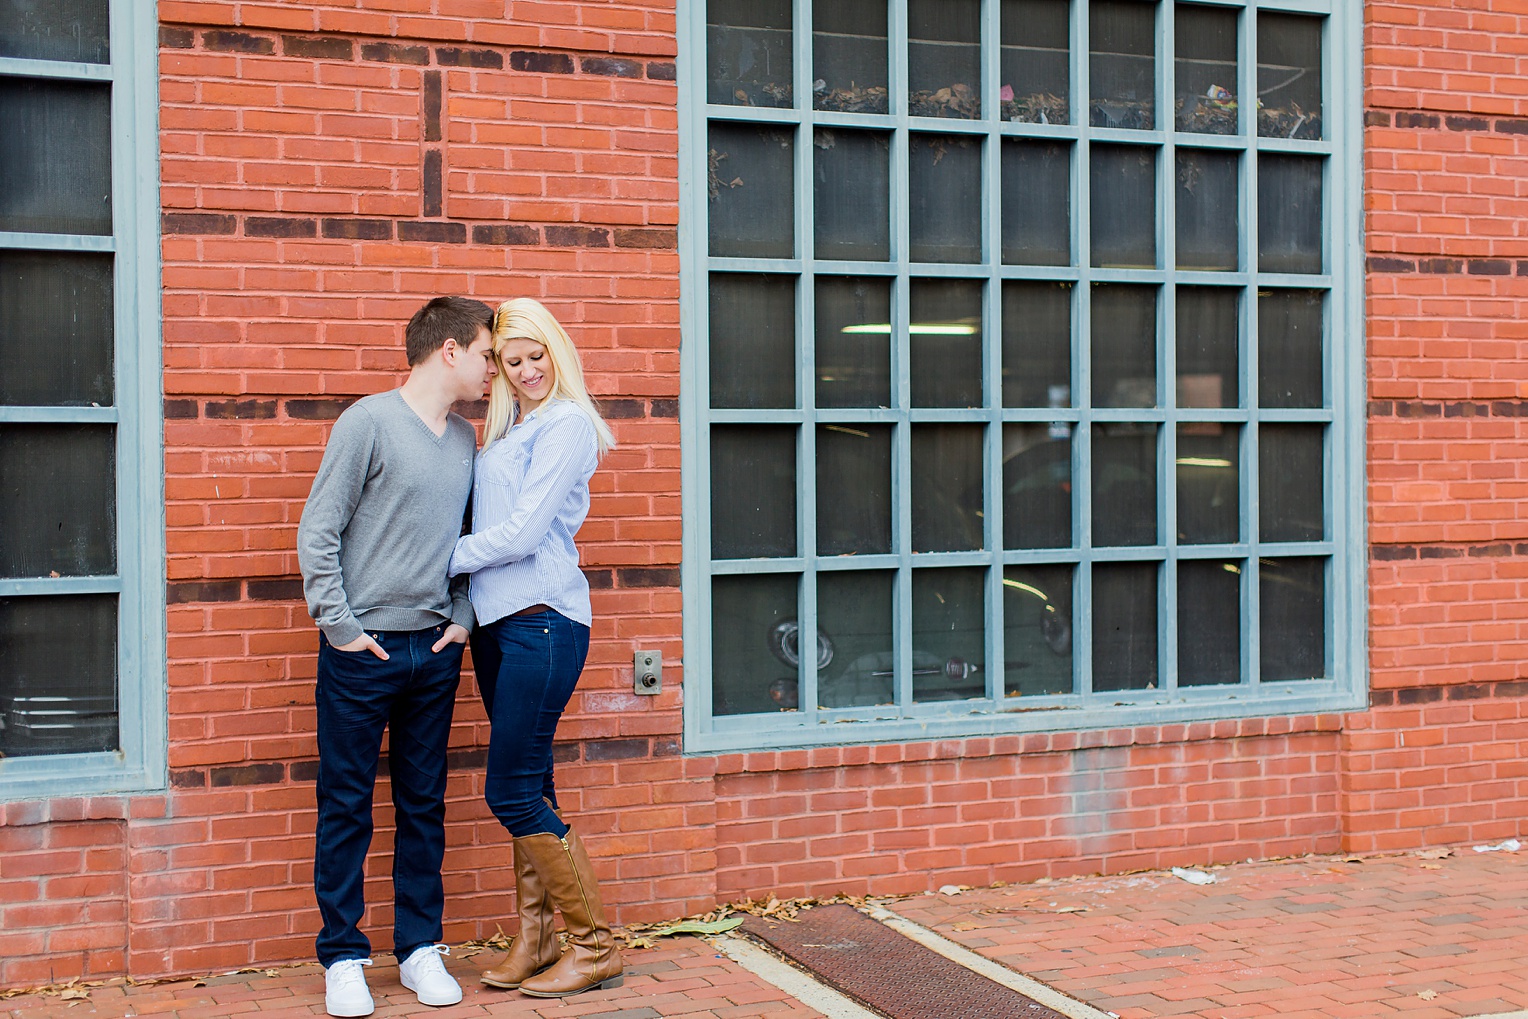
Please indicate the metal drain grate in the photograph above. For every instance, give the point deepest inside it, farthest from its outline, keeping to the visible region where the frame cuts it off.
(892, 974)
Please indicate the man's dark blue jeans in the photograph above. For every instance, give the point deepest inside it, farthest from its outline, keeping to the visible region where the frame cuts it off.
(527, 666)
(359, 695)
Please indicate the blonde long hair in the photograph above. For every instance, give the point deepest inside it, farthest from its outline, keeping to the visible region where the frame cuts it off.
(524, 318)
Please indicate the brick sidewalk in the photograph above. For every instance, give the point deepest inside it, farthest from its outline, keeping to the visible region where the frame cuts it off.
(1317, 938)
(680, 977)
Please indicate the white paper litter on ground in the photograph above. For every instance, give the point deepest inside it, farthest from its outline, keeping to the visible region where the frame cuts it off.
(1193, 876)
(1509, 846)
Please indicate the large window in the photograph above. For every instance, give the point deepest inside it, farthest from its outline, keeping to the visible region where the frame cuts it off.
(81, 517)
(1022, 365)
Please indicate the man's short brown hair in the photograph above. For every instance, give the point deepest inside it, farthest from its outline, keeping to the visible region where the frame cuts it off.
(442, 319)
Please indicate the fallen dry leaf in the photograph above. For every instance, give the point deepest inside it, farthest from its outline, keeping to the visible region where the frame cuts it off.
(1427, 995)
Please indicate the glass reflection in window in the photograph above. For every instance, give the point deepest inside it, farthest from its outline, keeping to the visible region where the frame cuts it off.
(944, 58)
(1205, 70)
(1036, 62)
(748, 52)
(753, 340)
(849, 56)
(949, 634)
(1037, 630)
(1123, 66)
(1288, 75)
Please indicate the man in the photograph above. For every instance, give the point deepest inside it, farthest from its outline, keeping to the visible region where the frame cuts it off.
(375, 540)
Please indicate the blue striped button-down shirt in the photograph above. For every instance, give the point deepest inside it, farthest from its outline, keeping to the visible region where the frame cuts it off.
(530, 495)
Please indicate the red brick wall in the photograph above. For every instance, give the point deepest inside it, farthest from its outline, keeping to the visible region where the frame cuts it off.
(326, 168)
(1439, 758)
(906, 818)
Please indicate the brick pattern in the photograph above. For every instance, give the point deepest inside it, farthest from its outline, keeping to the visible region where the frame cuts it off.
(1298, 939)
(324, 170)
(328, 165)
(682, 977)
(906, 818)
(1446, 141)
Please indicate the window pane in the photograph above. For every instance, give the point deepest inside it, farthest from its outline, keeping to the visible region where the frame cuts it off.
(1208, 360)
(748, 52)
(1037, 344)
(1037, 203)
(944, 58)
(944, 206)
(1209, 622)
(1124, 206)
(946, 343)
(1125, 626)
(58, 690)
(949, 634)
(1124, 484)
(1037, 485)
(58, 500)
(1293, 593)
(854, 612)
(1209, 486)
(1037, 630)
(1124, 345)
(1208, 210)
(1290, 355)
(853, 341)
(1205, 69)
(1289, 481)
(753, 341)
(753, 491)
(849, 56)
(1123, 67)
(852, 189)
(754, 639)
(56, 328)
(56, 164)
(1288, 76)
(1289, 213)
(946, 487)
(853, 489)
(751, 185)
(75, 30)
(1036, 62)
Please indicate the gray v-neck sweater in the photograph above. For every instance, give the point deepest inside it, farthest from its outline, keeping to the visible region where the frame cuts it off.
(384, 514)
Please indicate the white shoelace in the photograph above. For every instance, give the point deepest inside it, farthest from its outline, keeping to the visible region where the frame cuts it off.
(432, 961)
(348, 972)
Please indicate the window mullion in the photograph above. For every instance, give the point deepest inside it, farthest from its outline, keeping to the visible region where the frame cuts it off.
(1167, 349)
(806, 487)
(992, 356)
(1082, 364)
(1250, 482)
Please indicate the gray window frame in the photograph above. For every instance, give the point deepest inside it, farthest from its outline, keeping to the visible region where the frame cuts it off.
(137, 414)
(1347, 637)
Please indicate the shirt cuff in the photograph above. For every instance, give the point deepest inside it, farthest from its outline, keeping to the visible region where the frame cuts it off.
(343, 632)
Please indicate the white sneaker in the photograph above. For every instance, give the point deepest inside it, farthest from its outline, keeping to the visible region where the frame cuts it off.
(424, 974)
(345, 990)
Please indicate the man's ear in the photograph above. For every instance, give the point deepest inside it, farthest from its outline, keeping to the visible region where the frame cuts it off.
(448, 350)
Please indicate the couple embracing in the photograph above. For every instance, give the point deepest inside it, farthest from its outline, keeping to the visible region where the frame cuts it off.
(395, 582)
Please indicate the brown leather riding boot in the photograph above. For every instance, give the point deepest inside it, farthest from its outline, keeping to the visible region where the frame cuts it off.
(592, 960)
(535, 946)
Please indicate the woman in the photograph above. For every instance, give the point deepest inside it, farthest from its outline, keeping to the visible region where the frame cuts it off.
(541, 442)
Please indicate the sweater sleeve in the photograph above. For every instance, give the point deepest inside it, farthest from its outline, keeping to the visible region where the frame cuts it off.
(331, 503)
(559, 460)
